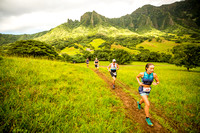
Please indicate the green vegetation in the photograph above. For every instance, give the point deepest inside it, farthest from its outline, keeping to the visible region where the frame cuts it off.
(114, 47)
(187, 55)
(70, 51)
(121, 56)
(50, 96)
(96, 43)
(177, 95)
(146, 55)
(32, 48)
(158, 45)
(47, 96)
(8, 38)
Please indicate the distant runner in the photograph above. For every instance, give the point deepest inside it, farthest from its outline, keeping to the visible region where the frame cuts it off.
(112, 68)
(87, 62)
(96, 62)
(145, 88)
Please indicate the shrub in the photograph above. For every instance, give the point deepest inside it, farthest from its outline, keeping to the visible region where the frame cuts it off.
(32, 48)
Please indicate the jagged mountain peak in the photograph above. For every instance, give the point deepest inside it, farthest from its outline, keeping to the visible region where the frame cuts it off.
(92, 19)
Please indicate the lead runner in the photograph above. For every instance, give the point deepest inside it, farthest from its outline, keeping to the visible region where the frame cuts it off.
(145, 87)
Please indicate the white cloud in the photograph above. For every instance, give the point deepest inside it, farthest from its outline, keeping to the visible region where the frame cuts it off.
(31, 16)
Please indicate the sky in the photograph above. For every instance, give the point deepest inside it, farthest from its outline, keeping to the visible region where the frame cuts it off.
(32, 16)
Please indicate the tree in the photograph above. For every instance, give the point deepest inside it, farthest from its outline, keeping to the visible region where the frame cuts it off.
(143, 56)
(66, 57)
(186, 55)
(121, 56)
(78, 58)
(165, 57)
(87, 54)
(154, 56)
(102, 54)
(32, 48)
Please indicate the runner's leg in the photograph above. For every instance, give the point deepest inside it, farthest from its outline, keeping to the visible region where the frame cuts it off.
(114, 80)
(141, 101)
(147, 105)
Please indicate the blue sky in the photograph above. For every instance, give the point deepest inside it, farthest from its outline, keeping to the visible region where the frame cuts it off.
(32, 16)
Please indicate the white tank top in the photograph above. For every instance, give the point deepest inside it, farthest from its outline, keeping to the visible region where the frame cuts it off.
(113, 67)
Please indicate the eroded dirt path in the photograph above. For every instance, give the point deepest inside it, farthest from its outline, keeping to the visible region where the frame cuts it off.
(130, 105)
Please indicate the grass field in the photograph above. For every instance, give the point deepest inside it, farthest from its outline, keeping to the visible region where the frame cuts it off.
(154, 46)
(50, 96)
(177, 95)
(70, 51)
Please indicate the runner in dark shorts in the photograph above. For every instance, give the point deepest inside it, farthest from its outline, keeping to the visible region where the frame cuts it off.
(87, 62)
(112, 68)
(96, 62)
(145, 87)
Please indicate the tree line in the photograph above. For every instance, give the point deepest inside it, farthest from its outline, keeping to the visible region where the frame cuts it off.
(182, 55)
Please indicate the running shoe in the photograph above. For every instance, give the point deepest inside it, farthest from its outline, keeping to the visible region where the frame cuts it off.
(139, 105)
(113, 86)
(149, 122)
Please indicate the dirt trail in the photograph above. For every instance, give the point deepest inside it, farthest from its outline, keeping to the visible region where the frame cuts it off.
(132, 111)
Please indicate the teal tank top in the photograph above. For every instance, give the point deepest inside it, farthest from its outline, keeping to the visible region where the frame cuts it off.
(147, 79)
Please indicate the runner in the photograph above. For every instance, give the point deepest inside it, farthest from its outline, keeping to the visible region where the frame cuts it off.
(87, 62)
(145, 88)
(113, 71)
(96, 62)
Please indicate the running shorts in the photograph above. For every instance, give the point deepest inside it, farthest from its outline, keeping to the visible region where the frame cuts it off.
(142, 92)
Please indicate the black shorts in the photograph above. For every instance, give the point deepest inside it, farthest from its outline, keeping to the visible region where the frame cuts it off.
(113, 74)
(96, 65)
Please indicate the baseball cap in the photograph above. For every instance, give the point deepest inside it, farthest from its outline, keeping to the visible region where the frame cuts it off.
(114, 60)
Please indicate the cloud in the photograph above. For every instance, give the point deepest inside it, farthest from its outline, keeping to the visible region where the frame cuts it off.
(30, 16)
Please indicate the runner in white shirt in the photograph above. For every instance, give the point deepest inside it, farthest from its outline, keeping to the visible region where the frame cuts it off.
(112, 68)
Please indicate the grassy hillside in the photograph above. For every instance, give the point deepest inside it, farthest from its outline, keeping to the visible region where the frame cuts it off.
(70, 51)
(9, 38)
(62, 32)
(113, 46)
(96, 43)
(50, 96)
(158, 46)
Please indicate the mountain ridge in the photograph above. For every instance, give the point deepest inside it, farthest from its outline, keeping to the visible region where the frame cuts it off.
(178, 18)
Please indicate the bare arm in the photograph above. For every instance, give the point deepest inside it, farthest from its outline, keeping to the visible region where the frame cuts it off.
(117, 67)
(109, 67)
(138, 78)
(156, 79)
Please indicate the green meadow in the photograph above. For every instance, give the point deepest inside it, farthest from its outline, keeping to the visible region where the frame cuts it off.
(177, 95)
(50, 96)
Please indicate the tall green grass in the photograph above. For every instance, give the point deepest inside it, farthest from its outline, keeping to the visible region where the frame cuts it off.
(177, 95)
(50, 96)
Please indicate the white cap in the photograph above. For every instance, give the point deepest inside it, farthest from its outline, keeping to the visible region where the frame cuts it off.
(114, 60)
